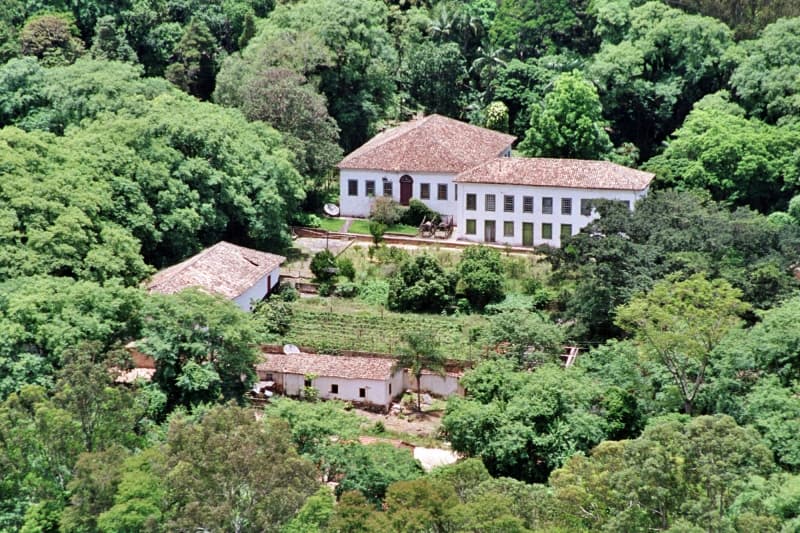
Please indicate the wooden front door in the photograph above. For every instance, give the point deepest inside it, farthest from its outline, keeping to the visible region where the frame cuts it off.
(527, 234)
(406, 187)
(488, 231)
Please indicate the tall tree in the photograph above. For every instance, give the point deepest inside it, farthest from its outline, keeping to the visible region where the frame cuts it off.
(765, 80)
(52, 38)
(535, 27)
(568, 123)
(203, 346)
(679, 323)
(193, 67)
(645, 483)
(359, 84)
(667, 61)
(419, 353)
(229, 471)
(739, 160)
(290, 103)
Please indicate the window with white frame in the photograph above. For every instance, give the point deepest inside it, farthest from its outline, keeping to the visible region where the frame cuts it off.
(527, 204)
(566, 206)
(352, 187)
(489, 204)
(425, 191)
(547, 205)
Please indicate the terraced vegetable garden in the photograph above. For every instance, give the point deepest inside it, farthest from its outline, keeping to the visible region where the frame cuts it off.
(335, 324)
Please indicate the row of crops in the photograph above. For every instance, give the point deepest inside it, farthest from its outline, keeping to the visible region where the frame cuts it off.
(331, 328)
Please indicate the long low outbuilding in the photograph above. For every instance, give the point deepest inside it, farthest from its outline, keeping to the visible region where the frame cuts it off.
(368, 381)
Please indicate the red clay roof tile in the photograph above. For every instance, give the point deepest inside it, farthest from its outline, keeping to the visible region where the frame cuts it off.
(431, 144)
(337, 366)
(224, 269)
(545, 172)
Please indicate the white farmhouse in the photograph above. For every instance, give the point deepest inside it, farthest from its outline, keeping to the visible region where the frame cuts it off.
(466, 171)
(240, 274)
(525, 201)
(417, 159)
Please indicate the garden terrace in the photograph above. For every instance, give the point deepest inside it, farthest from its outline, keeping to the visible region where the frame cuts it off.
(334, 325)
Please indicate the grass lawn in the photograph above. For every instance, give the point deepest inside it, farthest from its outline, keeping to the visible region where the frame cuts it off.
(362, 227)
(331, 224)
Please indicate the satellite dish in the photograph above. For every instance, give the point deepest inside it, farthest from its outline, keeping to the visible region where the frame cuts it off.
(332, 210)
(290, 349)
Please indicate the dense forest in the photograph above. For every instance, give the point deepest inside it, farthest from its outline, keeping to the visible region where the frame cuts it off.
(134, 133)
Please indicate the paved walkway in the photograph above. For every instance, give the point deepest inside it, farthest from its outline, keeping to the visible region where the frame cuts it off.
(347, 223)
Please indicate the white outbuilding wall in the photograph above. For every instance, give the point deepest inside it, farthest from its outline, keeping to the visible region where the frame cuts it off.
(258, 291)
(377, 392)
(439, 385)
(574, 220)
(358, 205)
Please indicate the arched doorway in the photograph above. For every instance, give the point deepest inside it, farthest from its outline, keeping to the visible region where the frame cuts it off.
(406, 188)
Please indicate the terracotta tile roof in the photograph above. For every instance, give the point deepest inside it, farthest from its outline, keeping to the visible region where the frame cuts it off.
(335, 366)
(224, 269)
(431, 144)
(544, 172)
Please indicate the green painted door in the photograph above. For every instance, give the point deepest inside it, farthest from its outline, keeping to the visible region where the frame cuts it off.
(527, 234)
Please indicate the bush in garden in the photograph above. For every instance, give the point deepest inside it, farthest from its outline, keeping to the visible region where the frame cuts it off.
(275, 314)
(416, 212)
(377, 229)
(323, 266)
(481, 276)
(347, 289)
(325, 288)
(346, 268)
(421, 285)
(385, 210)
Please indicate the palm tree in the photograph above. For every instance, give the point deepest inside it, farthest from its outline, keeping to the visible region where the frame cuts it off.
(421, 351)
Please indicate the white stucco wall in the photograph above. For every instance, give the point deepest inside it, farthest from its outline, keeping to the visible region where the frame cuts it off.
(359, 205)
(377, 391)
(398, 385)
(517, 217)
(292, 383)
(435, 384)
(258, 290)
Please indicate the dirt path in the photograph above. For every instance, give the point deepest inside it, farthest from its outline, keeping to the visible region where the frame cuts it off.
(419, 424)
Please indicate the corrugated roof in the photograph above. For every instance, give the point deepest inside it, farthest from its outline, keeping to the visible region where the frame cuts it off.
(224, 268)
(336, 366)
(545, 172)
(431, 144)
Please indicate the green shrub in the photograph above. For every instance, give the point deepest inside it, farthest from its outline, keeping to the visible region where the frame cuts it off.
(323, 266)
(480, 276)
(275, 314)
(377, 229)
(347, 289)
(325, 288)
(421, 285)
(416, 212)
(374, 291)
(385, 210)
(346, 268)
(285, 292)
